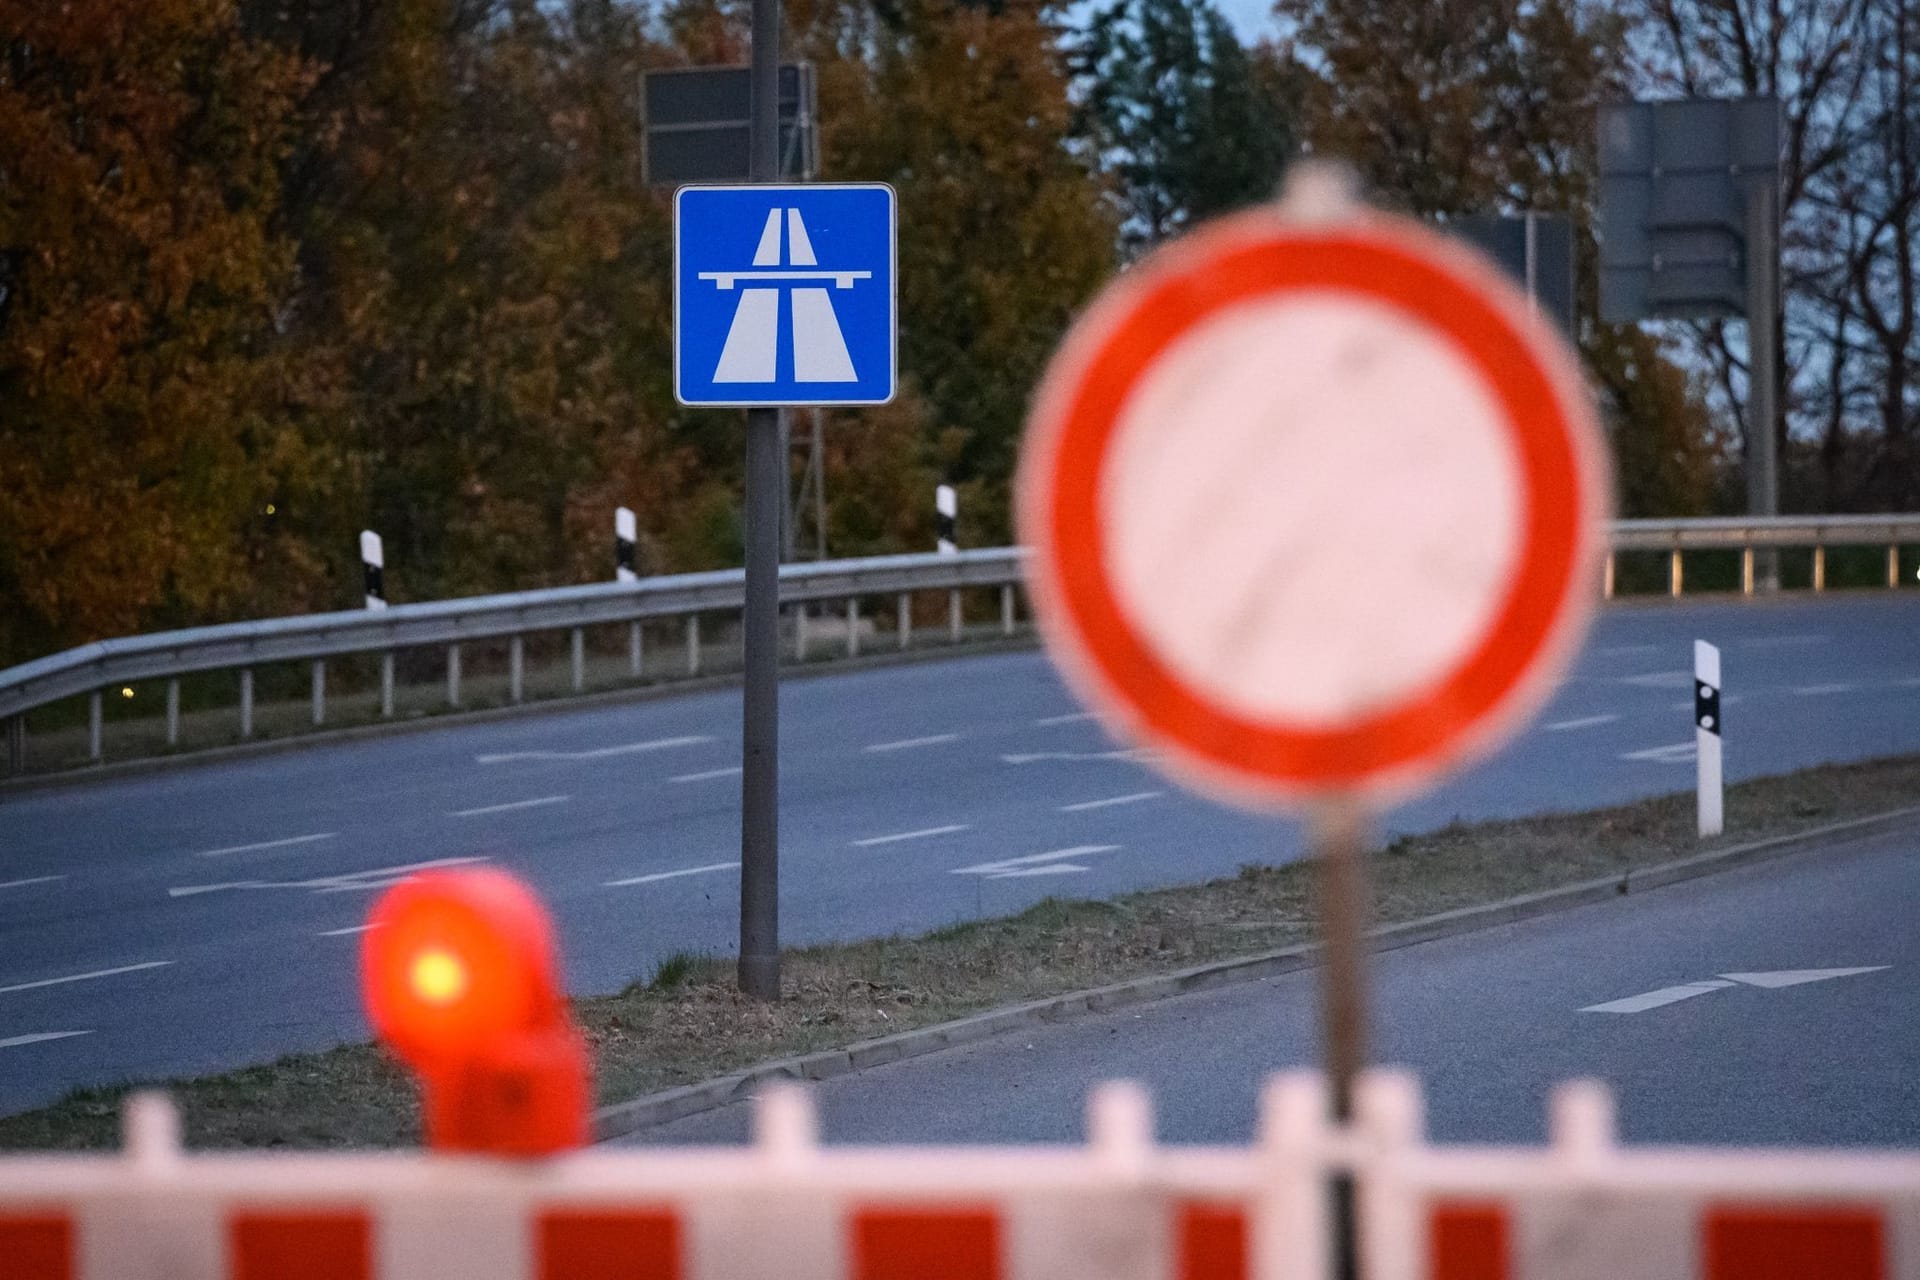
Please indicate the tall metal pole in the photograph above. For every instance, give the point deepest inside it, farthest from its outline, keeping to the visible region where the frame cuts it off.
(1763, 367)
(766, 497)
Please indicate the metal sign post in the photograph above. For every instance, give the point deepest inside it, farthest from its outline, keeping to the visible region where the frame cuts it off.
(766, 489)
(1763, 366)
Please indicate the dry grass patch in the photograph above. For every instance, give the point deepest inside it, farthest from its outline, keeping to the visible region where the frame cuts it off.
(686, 1022)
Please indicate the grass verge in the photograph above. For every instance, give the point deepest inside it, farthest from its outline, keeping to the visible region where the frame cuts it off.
(686, 1023)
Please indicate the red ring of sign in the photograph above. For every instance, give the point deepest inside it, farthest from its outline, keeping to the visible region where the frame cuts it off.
(1556, 501)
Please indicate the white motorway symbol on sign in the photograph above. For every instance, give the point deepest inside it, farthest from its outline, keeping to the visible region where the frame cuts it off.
(1769, 980)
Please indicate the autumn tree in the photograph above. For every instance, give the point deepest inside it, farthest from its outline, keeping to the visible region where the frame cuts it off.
(1451, 107)
(141, 438)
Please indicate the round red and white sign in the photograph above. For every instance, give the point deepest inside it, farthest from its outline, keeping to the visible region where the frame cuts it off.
(1315, 506)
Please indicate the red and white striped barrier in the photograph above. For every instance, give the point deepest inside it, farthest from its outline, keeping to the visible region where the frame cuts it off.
(1118, 1208)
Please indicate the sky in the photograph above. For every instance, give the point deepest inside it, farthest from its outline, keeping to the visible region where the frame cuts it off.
(1253, 19)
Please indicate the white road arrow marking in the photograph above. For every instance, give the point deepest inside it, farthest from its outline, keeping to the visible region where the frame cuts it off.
(351, 882)
(1688, 990)
(1794, 977)
(1055, 863)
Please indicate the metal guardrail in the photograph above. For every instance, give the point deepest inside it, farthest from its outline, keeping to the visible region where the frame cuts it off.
(449, 623)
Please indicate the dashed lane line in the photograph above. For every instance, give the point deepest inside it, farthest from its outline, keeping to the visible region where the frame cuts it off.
(84, 977)
(1672, 753)
(1131, 798)
(1654, 999)
(1072, 717)
(706, 775)
(1055, 862)
(39, 1037)
(931, 740)
(673, 875)
(350, 929)
(258, 845)
(21, 884)
(349, 882)
(597, 753)
(921, 834)
(537, 802)
(1581, 722)
(1817, 690)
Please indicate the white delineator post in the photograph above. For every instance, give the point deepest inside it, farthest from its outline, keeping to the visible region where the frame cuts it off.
(946, 506)
(373, 558)
(1707, 729)
(624, 536)
(373, 561)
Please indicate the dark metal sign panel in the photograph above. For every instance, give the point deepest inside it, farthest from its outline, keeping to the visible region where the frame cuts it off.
(1675, 180)
(1536, 251)
(696, 126)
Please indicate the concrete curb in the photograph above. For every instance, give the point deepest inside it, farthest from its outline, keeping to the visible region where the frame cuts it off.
(650, 1110)
(86, 775)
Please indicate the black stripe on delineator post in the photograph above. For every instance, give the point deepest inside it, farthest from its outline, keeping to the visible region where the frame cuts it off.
(1706, 707)
(373, 564)
(376, 582)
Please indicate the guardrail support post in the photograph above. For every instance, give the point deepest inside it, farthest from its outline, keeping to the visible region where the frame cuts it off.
(17, 744)
(853, 626)
(453, 675)
(693, 644)
(1006, 609)
(906, 618)
(636, 656)
(95, 752)
(1819, 568)
(953, 615)
(1746, 571)
(386, 683)
(246, 703)
(1676, 575)
(579, 659)
(319, 692)
(173, 713)
(516, 668)
(1607, 589)
(1893, 565)
(800, 632)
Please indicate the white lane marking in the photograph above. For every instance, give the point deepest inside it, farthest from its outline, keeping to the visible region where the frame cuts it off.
(1815, 690)
(597, 753)
(21, 884)
(1623, 650)
(39, 1037)
(673, 875)
(1794, 977)
(931, 740)
(511, 804)
(1659, 680)
(924, 832)
(350, 929)
(1050, 869)
(1072, 717)
(85, 977)
(1654, 999)
(707, 774)
(352, 881)
(1133, 798)
(1781, 642)
(1005, 867)
(268, 844)
(1672, 753)
(1130, 753)
(1582, 722)
(1913, 683)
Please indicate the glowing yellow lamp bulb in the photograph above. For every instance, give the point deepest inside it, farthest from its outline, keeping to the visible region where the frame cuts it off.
(438, 976)
(126, 691)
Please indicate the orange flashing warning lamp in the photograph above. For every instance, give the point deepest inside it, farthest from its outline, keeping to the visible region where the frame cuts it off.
(459, 973)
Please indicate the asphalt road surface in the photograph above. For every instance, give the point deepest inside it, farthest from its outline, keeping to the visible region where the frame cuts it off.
(205, 917)
(1703, 1004)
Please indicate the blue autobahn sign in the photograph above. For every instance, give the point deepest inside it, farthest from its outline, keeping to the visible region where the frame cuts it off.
(783, 295)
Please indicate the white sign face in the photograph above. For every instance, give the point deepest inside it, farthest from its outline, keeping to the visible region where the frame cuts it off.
(1316, 507)
(1265, 512)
